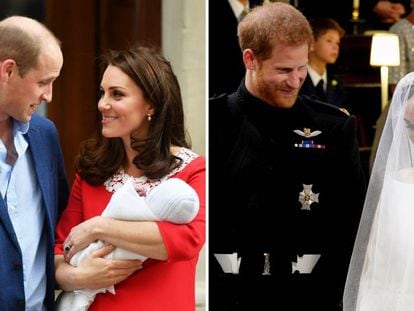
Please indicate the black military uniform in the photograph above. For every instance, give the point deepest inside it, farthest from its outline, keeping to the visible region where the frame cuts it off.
(282, 183)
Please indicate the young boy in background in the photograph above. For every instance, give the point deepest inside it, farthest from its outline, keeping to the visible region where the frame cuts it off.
(320, 83)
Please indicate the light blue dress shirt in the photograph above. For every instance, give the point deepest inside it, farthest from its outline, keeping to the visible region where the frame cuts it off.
(21, 191)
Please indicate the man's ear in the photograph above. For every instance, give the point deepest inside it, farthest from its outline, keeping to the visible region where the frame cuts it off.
(249, 59)
(7, 67)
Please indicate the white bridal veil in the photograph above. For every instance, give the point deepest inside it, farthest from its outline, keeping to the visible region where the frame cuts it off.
(381, 273)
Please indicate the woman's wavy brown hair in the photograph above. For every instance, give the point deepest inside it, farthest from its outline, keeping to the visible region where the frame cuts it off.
(99, 158)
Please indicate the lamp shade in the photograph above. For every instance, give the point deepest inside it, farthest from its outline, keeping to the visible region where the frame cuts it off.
(385, 50)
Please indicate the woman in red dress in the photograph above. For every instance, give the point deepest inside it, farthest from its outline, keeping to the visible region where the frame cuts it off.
(143, 138)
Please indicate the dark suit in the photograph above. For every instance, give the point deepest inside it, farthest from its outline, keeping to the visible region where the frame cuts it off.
(225, 55)
(259, 170)
(226, 67)
(335, 91)
(372, 20)
(48, 162)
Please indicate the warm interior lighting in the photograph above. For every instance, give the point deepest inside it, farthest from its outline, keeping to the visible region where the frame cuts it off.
(385, 52)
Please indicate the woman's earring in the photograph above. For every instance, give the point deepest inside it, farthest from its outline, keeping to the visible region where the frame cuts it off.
(149, 117)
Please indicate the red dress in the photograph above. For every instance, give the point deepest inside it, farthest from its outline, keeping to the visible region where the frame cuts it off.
(159, 285)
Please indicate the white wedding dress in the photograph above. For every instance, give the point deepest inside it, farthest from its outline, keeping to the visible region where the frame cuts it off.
(386, 280)
(381, 271)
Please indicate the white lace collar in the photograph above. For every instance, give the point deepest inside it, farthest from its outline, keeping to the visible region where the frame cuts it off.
(143, 184)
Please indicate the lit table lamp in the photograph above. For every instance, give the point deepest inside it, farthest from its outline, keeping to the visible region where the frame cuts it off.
(385, 52)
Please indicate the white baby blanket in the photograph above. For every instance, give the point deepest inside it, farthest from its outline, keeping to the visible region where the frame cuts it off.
(173, 200)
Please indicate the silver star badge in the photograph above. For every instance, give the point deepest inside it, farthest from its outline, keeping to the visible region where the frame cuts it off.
(307, 197)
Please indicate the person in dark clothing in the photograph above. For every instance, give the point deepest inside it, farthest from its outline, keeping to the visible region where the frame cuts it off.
(224, 47)
(373, 14)
(381, 14)
(285, 181)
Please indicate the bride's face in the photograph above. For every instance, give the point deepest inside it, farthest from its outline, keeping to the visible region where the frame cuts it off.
(409, 119)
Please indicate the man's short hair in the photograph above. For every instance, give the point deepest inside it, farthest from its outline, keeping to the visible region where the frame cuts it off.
(271, 24)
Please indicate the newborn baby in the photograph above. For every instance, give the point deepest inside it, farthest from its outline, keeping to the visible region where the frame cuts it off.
(173, 200)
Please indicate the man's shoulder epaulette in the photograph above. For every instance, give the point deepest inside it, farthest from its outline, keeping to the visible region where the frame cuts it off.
(323, 107)
(218, 98)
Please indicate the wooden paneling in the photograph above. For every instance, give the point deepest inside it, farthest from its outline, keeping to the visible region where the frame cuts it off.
(353, 61)
(124, 22)
(73, 108)
(86, 28)
(363, 87)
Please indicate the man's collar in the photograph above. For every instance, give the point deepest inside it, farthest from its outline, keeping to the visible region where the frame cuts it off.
(315, 77)
(22, 127)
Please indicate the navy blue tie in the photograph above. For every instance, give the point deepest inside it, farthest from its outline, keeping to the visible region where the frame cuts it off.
(320, 92)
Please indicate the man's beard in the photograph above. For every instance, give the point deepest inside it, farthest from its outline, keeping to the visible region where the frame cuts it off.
(268, 94)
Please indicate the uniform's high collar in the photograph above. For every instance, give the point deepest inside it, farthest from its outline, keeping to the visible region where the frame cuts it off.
(261, 111)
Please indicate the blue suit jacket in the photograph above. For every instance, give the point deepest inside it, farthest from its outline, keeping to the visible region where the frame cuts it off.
(48, 162)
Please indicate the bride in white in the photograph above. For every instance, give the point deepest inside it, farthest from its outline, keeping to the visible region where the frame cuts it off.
(381, 272)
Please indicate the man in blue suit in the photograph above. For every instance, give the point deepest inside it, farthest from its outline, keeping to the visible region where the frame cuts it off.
(33, 182)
